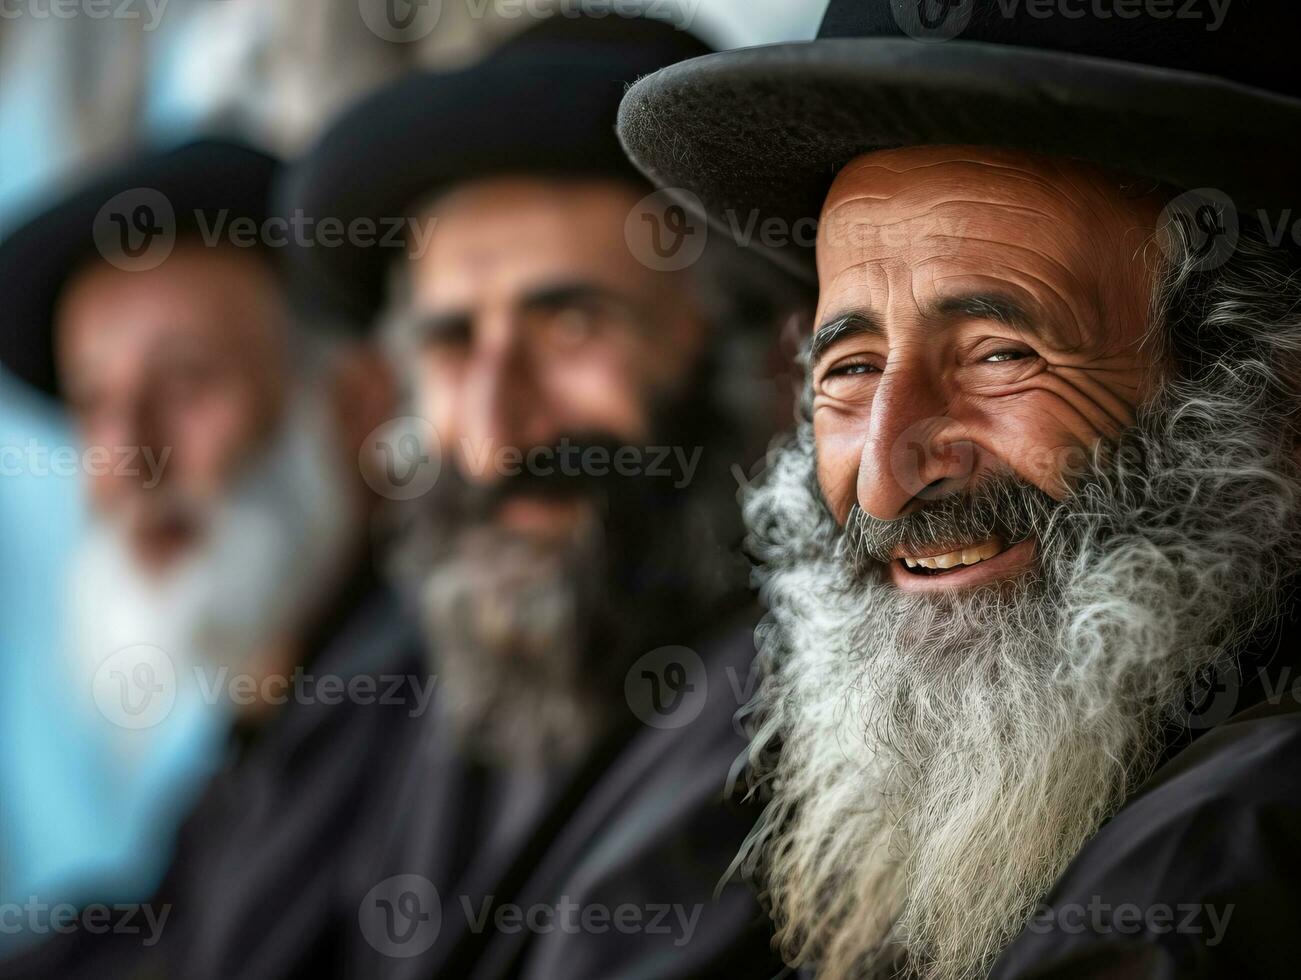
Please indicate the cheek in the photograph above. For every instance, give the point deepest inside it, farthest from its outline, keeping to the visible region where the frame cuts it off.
(211, 436)
(1042, 438)
(438, 391)
(597, 391)
(840, 451)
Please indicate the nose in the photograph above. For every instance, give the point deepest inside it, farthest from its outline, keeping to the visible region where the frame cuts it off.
(914, 450)
(503, 408)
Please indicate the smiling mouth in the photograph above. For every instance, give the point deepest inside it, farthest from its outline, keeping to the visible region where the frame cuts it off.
(964, 557)
(973, 565)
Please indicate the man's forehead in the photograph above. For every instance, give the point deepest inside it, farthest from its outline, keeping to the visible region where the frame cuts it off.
(890, 198)
(519, 232)
(198, 295)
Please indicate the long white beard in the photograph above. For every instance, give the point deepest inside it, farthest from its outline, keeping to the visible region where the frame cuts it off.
(266, 553)
(934, 764)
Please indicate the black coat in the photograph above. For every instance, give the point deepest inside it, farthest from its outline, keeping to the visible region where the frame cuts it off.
(643, 826)
(1198, 876)
(276, 869)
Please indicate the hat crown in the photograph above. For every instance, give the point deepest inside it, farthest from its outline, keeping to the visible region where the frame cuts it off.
(1246, 41)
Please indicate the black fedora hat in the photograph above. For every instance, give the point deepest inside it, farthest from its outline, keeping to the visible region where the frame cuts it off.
(543, 103)
(1192, 93)
(130, 215)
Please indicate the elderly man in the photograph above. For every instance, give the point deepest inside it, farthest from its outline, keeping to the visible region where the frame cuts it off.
(584, 398)
(1034, 544)
(227, 567)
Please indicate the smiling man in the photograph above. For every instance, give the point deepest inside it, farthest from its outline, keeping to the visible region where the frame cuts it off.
(1029, 559)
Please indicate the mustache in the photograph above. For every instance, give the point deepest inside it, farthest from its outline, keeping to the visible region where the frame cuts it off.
(1002, 505)
(554, 471)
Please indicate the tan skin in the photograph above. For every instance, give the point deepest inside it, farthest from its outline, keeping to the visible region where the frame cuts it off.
(534, 320)
(984, 311)
(188, 358)
(190, 361)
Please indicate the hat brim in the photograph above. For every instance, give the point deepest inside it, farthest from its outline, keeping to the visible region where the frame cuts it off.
(759, 134)
(208, 177)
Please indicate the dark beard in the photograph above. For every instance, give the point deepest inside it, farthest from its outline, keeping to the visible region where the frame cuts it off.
(532, 637)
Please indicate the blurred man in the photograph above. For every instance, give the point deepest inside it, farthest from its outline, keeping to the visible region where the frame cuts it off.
(574, 559)
(227, 565)
(1046, 486)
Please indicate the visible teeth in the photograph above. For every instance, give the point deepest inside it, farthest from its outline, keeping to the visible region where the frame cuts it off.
(962, 556)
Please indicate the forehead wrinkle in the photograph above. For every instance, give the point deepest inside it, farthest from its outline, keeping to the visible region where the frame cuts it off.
(993, 173)
(1072, 187)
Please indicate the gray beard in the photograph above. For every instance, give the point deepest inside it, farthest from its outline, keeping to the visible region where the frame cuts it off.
(933, 764)
(507, 613)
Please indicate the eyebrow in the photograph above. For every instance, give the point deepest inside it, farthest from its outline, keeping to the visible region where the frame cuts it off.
(979, 306)
(558, 296)
(987, 306)
(842, 326)
(434, 327)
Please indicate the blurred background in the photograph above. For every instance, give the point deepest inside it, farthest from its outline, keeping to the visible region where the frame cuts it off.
(81, 82)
